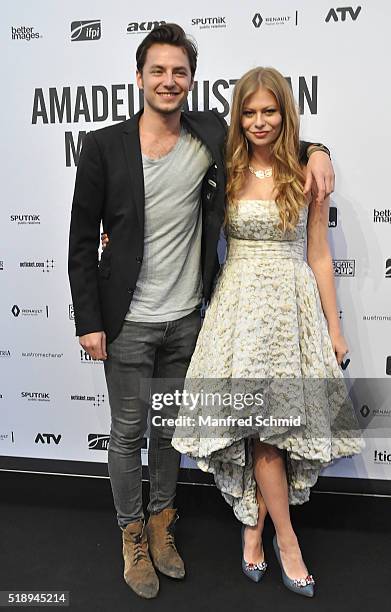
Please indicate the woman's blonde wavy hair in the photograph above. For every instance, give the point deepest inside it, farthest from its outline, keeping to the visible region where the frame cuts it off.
(287, 173)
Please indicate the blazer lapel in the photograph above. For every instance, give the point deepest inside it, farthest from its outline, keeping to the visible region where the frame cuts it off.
(132, 150)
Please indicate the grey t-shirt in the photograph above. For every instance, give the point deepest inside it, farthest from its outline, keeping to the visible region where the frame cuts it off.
(169, 285)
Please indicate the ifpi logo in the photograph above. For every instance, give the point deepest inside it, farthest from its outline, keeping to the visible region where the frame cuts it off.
(86, 30)
(98, 441)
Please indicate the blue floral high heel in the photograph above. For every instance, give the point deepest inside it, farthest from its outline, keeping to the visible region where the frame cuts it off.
(302, 586)
(254, 571)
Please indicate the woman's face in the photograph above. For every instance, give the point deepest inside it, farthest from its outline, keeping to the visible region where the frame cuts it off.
(261, 118)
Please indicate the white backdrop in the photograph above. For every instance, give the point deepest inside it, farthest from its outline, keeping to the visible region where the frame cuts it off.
(60, 80)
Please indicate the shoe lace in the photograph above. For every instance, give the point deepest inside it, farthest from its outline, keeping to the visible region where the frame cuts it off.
(170, 534)
(139, 551)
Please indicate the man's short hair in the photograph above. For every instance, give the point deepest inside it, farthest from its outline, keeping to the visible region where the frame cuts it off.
(168, 34)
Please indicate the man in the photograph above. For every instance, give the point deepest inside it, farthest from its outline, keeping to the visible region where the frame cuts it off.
(157, 182)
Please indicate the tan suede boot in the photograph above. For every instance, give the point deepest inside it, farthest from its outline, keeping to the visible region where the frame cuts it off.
(139, 572)
(160, 532)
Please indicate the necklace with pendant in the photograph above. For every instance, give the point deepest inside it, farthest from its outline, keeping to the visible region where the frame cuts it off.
(261, 174)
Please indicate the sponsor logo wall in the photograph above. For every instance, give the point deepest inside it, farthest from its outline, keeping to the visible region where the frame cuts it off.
(76, 73)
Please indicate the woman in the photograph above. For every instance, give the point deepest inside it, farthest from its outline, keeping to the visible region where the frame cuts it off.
(271, 327)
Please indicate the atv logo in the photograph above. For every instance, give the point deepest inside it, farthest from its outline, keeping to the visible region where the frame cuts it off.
(45, 438)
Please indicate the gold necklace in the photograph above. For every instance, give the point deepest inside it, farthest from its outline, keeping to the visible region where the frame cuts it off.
(261, 174)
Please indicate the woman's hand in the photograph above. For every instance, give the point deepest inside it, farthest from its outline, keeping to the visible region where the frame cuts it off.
(339, 345)
(104, 240)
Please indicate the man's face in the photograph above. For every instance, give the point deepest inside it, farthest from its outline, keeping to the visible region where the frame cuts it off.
(166, 78)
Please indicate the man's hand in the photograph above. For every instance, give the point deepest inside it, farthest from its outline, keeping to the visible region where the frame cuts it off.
(320, 176)
(104, 238)
(94, 344)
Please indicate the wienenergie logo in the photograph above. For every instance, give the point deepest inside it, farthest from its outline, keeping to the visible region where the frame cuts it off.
(86, 30)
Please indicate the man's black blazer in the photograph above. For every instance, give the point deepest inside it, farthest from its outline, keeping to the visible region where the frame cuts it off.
(110, 187)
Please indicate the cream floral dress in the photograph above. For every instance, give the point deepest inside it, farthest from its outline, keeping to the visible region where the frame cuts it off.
(265, 331)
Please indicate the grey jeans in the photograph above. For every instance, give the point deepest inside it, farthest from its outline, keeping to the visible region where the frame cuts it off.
(140, 352)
